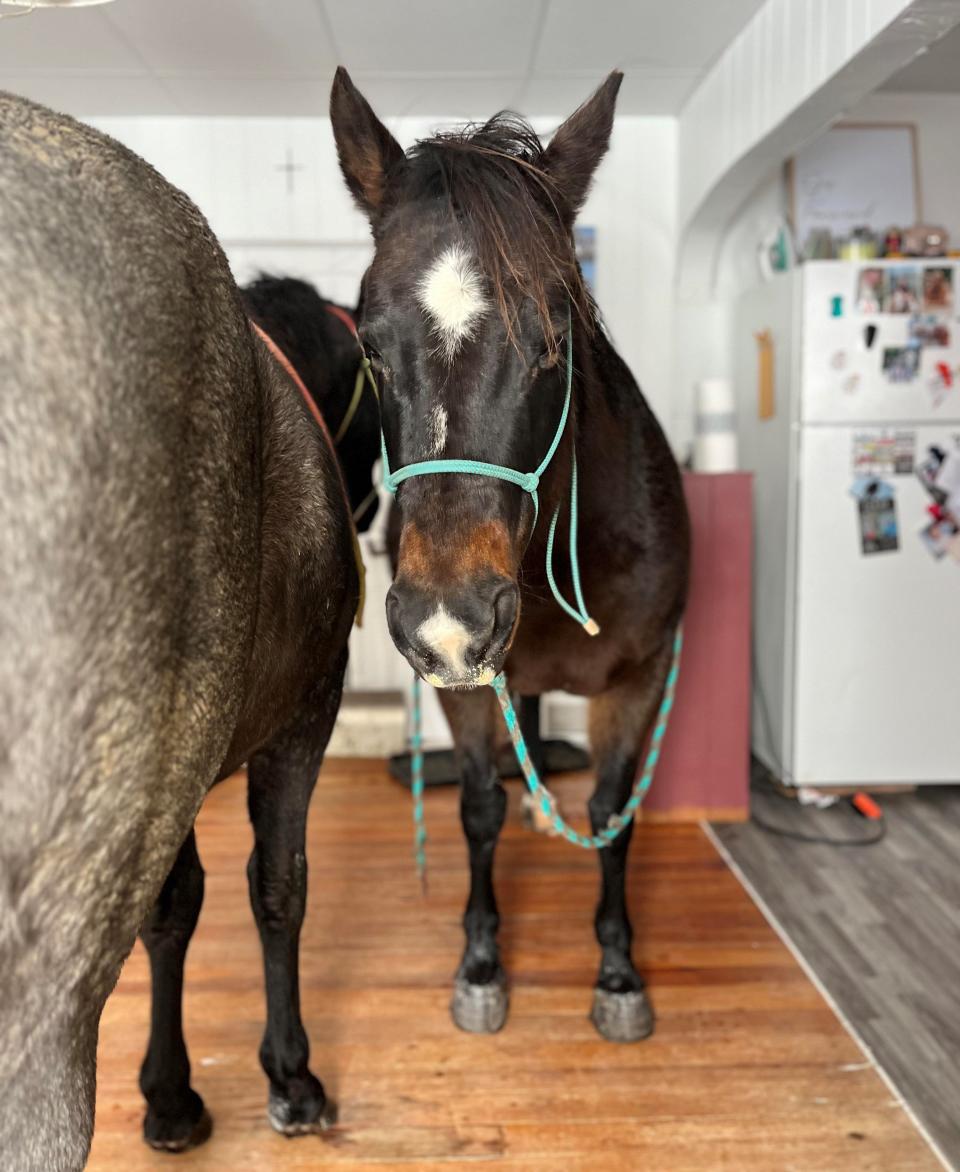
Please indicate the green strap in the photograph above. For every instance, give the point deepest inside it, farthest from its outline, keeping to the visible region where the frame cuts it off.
(352, 405)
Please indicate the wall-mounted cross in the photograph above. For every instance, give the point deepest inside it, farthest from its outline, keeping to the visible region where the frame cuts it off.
(290, 168)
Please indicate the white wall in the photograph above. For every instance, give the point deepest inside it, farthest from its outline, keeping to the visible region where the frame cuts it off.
(780, 59)
(937, 118)
(231, 168)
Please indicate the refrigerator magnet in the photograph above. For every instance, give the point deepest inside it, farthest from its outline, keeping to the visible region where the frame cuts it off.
(940, 537)
(884, 453)
(901, 364)
(927, 329)
(877, 509)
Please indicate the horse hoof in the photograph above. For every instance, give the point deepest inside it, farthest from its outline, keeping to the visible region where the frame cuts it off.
(622, 1017)
(291, 1119)
(479, 1009)
(165, 1136)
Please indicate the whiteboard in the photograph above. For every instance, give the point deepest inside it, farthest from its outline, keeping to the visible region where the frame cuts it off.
(856, 175)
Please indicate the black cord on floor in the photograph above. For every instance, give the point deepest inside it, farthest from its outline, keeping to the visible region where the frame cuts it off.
(816, 839)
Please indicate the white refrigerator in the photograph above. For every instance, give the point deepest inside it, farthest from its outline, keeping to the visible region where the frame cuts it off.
(857, 585)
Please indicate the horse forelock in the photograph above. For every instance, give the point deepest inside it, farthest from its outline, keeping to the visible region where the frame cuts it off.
(511, 214)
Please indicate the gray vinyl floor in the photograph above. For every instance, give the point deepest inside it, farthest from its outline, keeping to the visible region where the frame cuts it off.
(880, 927)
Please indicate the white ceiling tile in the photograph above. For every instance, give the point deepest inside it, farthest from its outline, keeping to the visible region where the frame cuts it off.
(450, 98)
(445, 59)
(609, 34)
(89, 95)
(250, 97)
(232, 37)
(435, 36)
(643, 92)
(64, 38)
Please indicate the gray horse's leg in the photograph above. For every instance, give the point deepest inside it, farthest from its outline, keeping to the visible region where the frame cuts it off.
(175, 1118)
(480, 1000)
(281, 780)
(620, 720)
(47, 1088)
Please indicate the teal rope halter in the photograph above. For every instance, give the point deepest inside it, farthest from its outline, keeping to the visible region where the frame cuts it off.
(530, 482)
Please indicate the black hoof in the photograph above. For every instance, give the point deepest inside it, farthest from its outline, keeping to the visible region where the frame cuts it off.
(479, 1009)
(168, 1135)
(622, 1017)
(307, 1118)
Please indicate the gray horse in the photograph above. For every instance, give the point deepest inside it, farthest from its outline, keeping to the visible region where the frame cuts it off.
(177, 584)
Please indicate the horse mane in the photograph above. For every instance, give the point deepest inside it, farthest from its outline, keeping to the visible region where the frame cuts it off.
(491, 174)
(293, 312)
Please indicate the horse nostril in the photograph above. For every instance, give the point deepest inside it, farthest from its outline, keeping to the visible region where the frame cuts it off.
(394, 620)
(505, 606)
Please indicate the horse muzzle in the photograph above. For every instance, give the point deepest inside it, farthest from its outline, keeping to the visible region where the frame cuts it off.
(454, 642)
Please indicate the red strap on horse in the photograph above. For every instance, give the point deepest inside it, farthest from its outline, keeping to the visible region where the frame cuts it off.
(346, 318)
(284, 362)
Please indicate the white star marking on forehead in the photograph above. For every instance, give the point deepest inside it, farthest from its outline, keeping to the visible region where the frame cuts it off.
(451, 295)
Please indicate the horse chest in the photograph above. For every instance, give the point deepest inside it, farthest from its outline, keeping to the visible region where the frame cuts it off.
(550, 653)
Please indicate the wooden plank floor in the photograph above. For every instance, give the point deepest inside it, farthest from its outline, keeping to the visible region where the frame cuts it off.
(749, 1071)
(880, 926)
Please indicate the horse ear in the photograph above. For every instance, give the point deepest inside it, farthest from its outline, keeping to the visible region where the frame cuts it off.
(368, 152)
(581, 142)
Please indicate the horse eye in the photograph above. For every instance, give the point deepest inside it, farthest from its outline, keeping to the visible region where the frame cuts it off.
(375, 358)
(550, 355)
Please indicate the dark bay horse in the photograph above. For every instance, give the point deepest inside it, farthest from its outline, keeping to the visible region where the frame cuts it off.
(466, 311)
(318, 338)
(177, 585)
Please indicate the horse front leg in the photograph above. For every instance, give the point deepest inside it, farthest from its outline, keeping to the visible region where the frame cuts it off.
(620, 721)
(176, 1118)
(480, 1000)
(281, 779)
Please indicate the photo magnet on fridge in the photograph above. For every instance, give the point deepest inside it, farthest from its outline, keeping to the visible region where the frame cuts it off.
(940, 537)
(883, 453)
(928, 471)
(901, 364)
(879, 532)
(903, 290)
(938, 288)
(928, 330)
(872, 290)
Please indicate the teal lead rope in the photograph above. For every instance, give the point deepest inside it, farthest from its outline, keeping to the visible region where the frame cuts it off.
(416, 786)
(545, 799)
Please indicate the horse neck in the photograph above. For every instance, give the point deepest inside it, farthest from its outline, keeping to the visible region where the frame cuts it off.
(609, 420)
